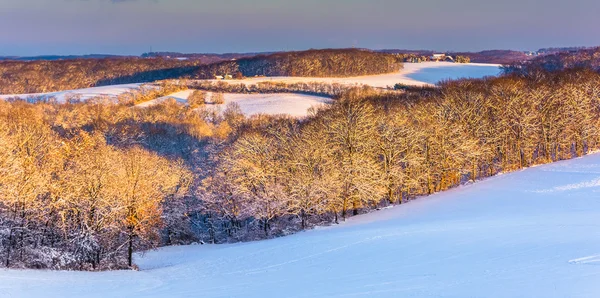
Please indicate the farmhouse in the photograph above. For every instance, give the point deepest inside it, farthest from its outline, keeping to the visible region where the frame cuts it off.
(437, 57)
(441, 57)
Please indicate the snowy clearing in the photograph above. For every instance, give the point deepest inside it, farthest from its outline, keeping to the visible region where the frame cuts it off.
(416, 74)
(295, 105)
(532, 233)
(111, 91)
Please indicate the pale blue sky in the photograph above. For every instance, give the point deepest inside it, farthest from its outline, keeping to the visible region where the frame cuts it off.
(34, 27)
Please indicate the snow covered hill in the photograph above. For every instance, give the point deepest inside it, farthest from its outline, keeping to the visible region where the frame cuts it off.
(295, 105)
(415, 74)
(111, 91)
(533, 233)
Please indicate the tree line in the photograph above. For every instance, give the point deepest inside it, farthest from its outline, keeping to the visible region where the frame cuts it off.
(311, 63)
(23, 77)
(373, 148)
(84, 185)
(585, 58)
(312, 88)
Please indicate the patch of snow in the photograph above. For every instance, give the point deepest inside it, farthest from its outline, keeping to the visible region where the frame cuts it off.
(180, 97)
(292, 104)
(111, 91)
(295, 105)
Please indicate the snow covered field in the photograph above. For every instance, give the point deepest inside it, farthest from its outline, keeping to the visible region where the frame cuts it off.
(295, 105)
(87, 93)
(533, 233)
(416, 74)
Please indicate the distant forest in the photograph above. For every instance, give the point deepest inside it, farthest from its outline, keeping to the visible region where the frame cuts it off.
(572, 58)
(205, 58)
(312, 63)
(490, 56)
(18, 77)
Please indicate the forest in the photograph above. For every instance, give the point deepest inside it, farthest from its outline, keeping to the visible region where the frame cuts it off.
(85, 185)
(22, 77)
(489, 56)
(587, 58)
(332, 90)
(311, 63)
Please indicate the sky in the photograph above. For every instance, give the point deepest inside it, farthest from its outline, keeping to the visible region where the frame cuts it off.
(132, 27)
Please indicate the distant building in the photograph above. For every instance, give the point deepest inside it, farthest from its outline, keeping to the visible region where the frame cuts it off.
(228, 77)
(441, 57)
(438, 57)
(218, 77)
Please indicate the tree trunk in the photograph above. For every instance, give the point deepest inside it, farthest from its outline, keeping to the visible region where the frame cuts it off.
(390, 195)
(10, 236)
(344, 209)
(130, 250)
(303, 218)
(266, 227)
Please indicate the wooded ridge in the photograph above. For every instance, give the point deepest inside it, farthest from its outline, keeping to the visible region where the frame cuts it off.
(84, 185)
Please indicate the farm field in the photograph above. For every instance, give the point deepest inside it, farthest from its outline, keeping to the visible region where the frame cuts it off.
(111, 91)
(295, 105)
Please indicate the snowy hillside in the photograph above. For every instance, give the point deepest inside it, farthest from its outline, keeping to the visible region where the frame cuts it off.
(84, 94)
(416, 74)
(295, 105)
(533, 233)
